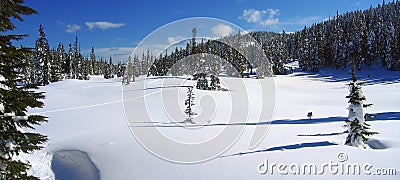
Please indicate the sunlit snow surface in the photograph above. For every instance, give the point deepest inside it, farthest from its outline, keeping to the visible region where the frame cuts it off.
(89, 116)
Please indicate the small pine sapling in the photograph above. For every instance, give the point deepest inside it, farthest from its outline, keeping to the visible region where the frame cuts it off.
(357, 127)
(189, 103)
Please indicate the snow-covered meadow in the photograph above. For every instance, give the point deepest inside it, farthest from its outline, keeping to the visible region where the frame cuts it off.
(89, 116)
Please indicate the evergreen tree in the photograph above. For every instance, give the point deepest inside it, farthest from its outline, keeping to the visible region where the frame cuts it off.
(15, 98)
(263, 62)
(202, 82)
(261, 69)
(237, 55)
(148, 60)
(42, 64)
(129, 72)
(305, 51)
(101, 66)
(316, 48)
(136, 66)
(338, 45)
(372, 48)
(58, 56)
(63, 57)
(111, 68)
(120, 69)
(215, 84)
(85, 69)
(356, 124)
(193, 50)
(390, 46)
(29, 71)
(108, 69)
(364, 56)
(189, 103)
(279, 54)
(76, 61)
(68, 63)
(94, 68)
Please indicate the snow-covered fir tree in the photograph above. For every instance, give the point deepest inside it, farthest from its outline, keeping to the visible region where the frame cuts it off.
(68, 62)
(215, 84)
(316, 50)
(237, 55)
(202, 82)
(264, 65)
(29, 71)
(305, 50)
(15, 98)
(261, 69)
(129, 75)
(189, 103)
(94, 70)
(279, 53)
(85, 68)
(75, 61)
(42, 57)
(120, 69)
(108, 69)
(136, 66)
(57, 57)
(356, 124)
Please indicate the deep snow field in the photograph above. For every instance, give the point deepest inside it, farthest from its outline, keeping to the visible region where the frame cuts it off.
(89, 116)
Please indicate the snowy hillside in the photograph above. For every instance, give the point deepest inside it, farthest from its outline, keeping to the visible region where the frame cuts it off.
(89, 116)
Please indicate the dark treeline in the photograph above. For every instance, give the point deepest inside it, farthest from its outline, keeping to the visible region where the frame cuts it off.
(370, 37)
(226, 55)
(47, 65)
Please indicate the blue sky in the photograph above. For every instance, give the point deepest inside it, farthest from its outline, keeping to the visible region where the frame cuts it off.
(116, 27)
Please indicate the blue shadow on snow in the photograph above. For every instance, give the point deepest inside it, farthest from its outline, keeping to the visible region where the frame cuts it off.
(385, 116)
(282, 148)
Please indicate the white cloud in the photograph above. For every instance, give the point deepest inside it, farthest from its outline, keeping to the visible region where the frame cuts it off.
(252, 15)
(222, 30)
(272, 12)
(103, 25)
(71, 28)
(173, 40)
(261, 17)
